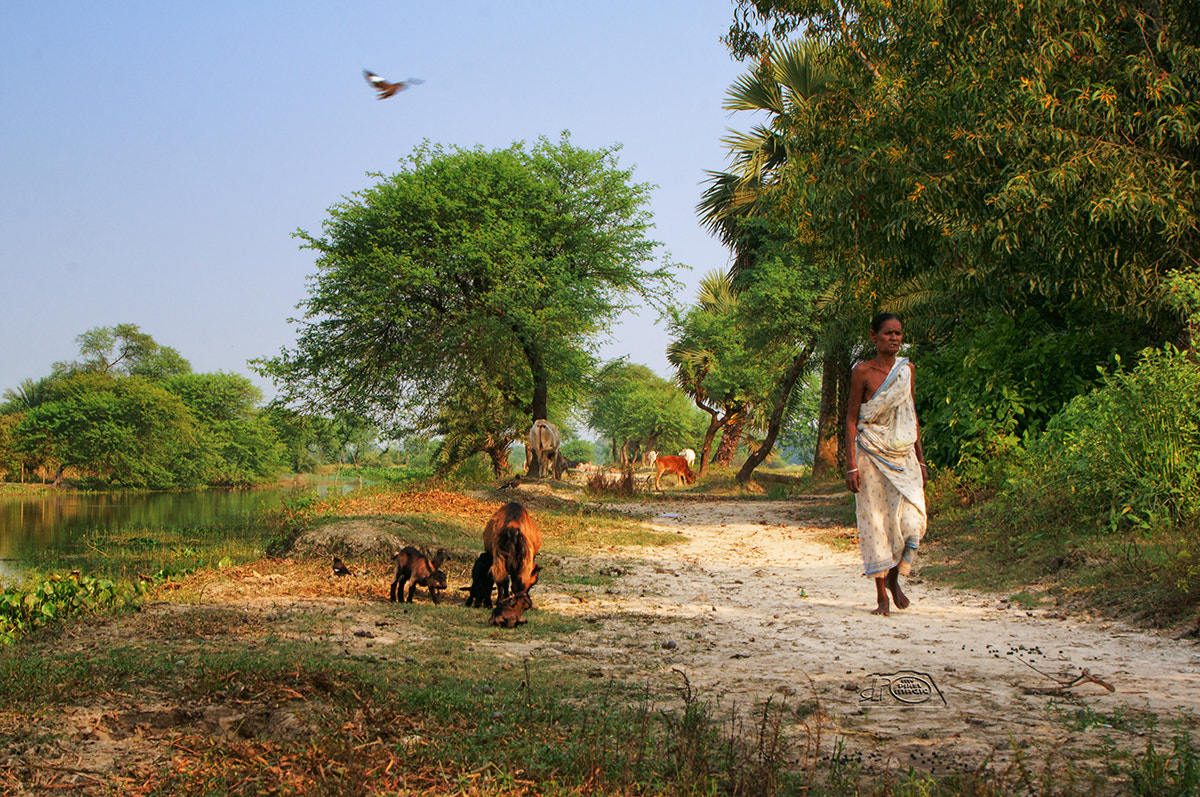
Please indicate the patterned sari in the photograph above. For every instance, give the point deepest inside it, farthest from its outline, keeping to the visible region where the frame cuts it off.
(891, 499)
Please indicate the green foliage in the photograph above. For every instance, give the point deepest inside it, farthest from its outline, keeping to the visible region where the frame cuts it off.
(1173, 774)
(243, 444)
(998, 382)
(122, 431)
(964, 162)
(131, 414)
(470, 268)
(1131, 447)
(124, 350)
(395, 476)
(798, 437)
(298, 509)
(639, 410)
(55, 598)
(579, 450)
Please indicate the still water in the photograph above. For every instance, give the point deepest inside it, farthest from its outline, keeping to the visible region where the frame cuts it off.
(32, 525)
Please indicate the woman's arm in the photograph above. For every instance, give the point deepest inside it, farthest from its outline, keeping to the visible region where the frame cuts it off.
(857, 384)
(917, 446)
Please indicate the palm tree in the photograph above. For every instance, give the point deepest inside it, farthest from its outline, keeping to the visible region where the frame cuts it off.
(694, 355)
(25, 396)
(787, 85)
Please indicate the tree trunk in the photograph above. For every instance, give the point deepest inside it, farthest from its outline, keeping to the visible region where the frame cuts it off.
(730, 440)
(843, 402)
(498, 454)
(785, 391)
(714, 424)
(829, 455)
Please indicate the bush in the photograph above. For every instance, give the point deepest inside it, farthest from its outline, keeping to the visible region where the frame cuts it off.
(55, 598)
(982, 395)
(1132, 446)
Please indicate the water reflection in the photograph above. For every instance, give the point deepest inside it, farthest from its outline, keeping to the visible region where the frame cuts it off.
(53, 520)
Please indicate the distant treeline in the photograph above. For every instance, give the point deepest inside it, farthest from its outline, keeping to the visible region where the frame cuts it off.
(132, 414)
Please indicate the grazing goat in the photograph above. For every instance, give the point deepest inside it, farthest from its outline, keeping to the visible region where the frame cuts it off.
(481, 582)
(672, 464)
(508, 614)
(424, 572)
(689, 455)
(513, 539)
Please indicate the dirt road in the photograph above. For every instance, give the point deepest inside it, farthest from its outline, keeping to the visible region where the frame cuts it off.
(754, 605)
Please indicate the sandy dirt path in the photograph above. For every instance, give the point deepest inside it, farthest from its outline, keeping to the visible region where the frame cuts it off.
(755, 605)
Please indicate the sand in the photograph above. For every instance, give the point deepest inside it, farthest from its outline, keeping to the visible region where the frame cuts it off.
(756, 604)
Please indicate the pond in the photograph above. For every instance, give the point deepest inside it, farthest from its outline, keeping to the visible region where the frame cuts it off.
(33, 528)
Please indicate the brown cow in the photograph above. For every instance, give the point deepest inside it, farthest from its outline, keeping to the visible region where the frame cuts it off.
(513, 539)
(667, 463)
(541, 452)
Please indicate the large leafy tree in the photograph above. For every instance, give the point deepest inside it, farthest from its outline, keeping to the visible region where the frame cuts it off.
(750, 207)
(244, 443)
(714, 367)
(124, 350)
(497, 265)
(998, 159)
(130, 413)
(123, 431)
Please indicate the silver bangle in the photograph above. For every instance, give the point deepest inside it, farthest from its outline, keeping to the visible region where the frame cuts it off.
(852, 470)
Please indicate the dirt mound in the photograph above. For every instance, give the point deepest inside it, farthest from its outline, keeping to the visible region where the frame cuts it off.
(357, 539)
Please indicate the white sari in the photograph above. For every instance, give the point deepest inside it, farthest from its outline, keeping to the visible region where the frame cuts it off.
(891, 499)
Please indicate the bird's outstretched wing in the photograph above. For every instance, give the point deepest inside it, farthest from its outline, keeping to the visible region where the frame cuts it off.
(385, 88)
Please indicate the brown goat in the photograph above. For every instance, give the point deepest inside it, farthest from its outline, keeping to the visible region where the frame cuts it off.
(508, 614)
(513, 539)
(424, 572)
(670, 463)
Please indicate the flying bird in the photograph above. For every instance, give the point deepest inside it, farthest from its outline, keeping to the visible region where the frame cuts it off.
(386, 89)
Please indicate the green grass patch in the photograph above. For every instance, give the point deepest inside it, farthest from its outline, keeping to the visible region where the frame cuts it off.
(1040, 554)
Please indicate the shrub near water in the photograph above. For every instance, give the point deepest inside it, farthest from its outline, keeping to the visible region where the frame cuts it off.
(54, 598)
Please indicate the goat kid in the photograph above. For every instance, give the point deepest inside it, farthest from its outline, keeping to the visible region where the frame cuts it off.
(481, 582)
(508, 614)
(424, 572)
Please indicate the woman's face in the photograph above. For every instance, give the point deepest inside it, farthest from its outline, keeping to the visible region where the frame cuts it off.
(889, 337)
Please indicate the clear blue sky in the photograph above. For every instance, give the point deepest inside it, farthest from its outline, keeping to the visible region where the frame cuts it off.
(157, 156)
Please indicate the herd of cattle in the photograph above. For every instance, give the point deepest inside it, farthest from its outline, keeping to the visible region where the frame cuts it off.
(511, 539)
(542, 458)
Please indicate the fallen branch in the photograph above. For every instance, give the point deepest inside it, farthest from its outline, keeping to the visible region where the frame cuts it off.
(1085, 676)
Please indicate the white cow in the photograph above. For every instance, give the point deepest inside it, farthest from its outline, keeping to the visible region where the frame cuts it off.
(650, 458)
(689, 455)
(542, 452)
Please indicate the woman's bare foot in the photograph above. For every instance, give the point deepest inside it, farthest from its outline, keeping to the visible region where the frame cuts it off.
(884, 609)
(893, 584)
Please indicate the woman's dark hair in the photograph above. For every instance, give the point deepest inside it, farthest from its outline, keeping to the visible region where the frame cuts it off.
(879, 320)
